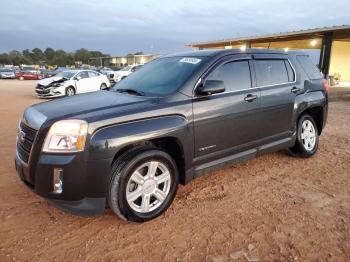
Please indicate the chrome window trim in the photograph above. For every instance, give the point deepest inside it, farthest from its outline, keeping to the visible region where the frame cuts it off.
(252, 88)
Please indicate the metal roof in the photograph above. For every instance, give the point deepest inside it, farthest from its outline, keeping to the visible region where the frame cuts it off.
(214, 52)
(313, 31)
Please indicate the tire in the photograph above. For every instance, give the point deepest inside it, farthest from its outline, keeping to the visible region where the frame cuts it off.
(103, 86)
(21, 78)
(70, 91)
(122, 187)
(303, 147)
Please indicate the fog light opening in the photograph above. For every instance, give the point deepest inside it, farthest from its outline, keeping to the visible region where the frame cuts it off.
(57, 180)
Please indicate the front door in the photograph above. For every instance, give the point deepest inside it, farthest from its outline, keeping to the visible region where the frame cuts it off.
(225, 124)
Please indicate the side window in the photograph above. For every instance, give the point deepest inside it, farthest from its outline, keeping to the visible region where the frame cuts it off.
(309, 68)
(137, 68)
(290, 71)
(236, 75)
(93, 74)
(83, 75)
(270, 72)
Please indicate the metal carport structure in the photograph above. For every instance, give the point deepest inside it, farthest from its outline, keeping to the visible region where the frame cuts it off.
(325, 39)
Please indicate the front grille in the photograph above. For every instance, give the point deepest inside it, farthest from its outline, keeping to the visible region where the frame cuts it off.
(42, 91)
(25, 139)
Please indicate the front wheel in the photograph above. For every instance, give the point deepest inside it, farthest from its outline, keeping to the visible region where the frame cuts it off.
(306, 143)
(143, 184)
(70, 91)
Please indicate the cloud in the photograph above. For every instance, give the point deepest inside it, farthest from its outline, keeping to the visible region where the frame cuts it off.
(119, 27)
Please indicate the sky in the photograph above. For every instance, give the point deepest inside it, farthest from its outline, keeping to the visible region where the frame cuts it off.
(120, 27)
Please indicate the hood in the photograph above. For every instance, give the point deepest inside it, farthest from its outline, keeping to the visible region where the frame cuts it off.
(50, 80)
(93, 105)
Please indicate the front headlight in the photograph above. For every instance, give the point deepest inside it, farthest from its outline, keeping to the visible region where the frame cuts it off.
(66, 136)
(55, 85)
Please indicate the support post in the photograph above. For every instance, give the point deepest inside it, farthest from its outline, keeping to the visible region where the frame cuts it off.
(325, 54)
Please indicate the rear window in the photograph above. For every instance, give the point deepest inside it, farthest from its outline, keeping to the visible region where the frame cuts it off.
(309, 68)
(93, 74)
(271, 72)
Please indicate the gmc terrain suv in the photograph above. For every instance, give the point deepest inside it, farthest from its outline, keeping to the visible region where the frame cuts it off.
(178, 117)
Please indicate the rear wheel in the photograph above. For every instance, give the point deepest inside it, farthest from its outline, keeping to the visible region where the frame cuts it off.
(143, 184)
(306, 143)
(103, 86)
(70, 91)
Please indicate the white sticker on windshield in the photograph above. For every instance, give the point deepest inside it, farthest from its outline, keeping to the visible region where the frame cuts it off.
(190, 60)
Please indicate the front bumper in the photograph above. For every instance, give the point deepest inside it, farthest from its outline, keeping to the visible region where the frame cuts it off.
(78, 196)
(47, 93)
(8, 76)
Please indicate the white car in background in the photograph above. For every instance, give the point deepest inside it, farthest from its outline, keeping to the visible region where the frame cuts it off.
(124, 72)
(71, 82)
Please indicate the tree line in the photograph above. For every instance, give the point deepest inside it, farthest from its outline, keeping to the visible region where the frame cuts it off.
(49, 56)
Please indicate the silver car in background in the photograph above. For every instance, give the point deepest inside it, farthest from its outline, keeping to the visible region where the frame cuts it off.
(6, 73)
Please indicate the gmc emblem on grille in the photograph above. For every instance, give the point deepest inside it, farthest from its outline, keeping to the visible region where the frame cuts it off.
(21, 135)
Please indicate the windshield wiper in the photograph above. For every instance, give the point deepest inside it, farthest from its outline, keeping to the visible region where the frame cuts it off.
(130, 91)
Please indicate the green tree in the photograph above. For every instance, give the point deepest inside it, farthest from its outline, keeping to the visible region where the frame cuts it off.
(4, 59)
(49, 54)
(37, 55)
(15, 57)
(60, 58)
(82, 54)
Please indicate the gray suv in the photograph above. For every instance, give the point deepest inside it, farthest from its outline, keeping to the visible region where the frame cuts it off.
(177, 118)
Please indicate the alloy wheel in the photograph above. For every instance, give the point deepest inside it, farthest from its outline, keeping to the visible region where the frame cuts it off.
(70, 92)
(148, 186)
(308, 135)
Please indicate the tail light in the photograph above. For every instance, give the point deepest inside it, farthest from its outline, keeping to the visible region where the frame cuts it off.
(325, 85)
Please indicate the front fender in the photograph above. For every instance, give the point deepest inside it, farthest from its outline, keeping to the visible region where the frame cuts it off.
(107, 141)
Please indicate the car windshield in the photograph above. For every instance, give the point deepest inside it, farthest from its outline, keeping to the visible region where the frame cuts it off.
(162, 76)
(66, 74)
(28, 69)
(6, 70)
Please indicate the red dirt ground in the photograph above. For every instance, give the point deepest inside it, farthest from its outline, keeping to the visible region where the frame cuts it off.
(273, 208)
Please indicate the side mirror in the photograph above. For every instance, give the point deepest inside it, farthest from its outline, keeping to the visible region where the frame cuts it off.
(212, 87)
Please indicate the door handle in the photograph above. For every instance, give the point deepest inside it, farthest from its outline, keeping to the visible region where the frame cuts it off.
(250, 98)
(295, 90)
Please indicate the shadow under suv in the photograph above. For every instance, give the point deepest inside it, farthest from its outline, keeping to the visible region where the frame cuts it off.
(178, 117)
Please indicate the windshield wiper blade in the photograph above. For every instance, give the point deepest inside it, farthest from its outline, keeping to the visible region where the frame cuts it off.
(130, 91)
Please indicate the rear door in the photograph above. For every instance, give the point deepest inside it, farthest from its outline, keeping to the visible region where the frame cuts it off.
(275, 77)
(225, 123)
(95, 80)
